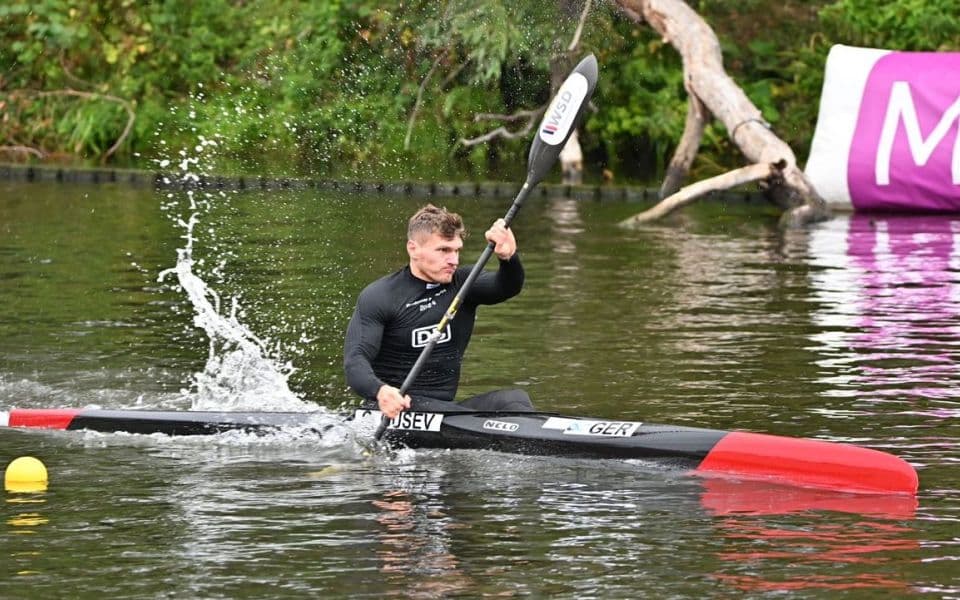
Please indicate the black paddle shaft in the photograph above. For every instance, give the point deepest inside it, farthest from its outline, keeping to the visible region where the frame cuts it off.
(559, 121)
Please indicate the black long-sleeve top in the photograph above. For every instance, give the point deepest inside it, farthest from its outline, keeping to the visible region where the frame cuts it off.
(394, 317)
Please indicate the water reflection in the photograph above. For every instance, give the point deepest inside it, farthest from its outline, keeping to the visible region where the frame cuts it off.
(26, 521)
(414, 548)
(890, 302)
(563, 329)
(769, 530)
(728, 497)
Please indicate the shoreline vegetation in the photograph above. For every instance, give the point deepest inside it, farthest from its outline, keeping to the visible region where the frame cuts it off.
(372, 91)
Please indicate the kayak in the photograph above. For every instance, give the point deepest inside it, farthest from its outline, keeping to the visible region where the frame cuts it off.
(706, 452)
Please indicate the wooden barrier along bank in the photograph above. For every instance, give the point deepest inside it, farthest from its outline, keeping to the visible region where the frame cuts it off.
(158, 179)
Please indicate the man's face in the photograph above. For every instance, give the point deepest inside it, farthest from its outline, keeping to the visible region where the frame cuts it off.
(433, 257)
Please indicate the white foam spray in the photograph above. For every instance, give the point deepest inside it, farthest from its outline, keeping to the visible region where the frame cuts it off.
(240, 374)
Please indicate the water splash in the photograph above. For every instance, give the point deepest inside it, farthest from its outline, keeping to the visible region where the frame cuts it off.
(240, 373)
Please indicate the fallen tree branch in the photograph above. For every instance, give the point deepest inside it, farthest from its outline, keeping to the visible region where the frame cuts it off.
(690, 193)
(707, 81)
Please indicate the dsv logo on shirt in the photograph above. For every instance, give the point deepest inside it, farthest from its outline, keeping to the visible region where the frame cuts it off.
(421, 337)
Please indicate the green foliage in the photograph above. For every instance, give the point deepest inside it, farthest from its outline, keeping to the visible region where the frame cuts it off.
(329, 88)
(643, 108)
(928, 25)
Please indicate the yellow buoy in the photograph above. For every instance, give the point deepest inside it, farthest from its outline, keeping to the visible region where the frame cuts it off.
(25, 474)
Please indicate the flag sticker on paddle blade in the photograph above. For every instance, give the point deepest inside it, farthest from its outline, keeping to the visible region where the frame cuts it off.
(563, 110)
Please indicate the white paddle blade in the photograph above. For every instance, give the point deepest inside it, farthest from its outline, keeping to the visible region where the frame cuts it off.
(561, 118)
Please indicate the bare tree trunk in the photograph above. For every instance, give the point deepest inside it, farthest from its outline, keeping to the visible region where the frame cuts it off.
(708, 83)
(571, 161)
(571, 157)
(687, 148)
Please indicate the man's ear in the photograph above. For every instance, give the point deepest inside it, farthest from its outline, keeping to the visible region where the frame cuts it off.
(411, 247)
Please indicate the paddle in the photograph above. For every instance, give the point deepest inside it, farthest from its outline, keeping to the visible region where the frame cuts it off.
(558, 123)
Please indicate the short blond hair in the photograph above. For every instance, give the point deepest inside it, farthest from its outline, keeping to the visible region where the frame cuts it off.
(431, 219)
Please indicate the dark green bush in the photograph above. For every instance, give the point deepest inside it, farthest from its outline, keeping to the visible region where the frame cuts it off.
(328, 88)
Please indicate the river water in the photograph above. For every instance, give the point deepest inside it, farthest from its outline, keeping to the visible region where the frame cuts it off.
(847, 331)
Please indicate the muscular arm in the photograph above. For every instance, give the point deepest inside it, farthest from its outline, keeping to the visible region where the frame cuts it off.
(361, 345)
(492, 288)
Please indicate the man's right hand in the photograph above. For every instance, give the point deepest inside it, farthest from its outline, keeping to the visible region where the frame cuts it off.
(390, 401)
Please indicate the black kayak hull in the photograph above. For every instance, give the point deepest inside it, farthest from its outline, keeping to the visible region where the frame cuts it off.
(707, 452)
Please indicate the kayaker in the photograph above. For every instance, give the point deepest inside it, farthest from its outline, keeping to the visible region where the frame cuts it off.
(396, 314)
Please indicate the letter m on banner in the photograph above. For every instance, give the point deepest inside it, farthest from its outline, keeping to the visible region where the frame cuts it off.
(905, 150)
(901, 109)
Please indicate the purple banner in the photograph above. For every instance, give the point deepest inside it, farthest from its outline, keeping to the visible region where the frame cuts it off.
(905, 152)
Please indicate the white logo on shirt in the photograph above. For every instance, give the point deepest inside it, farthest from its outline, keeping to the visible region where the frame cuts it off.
(432, 300)
(421, 336)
